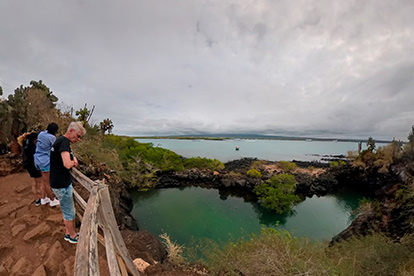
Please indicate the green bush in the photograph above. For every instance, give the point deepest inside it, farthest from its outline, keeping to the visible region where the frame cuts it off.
(278, 193)
(130, 150)
(254, 173)
(334, 164)
(203, 163)
(287, 166)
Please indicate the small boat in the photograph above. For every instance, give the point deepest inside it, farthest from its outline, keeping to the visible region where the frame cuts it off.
(237, 147)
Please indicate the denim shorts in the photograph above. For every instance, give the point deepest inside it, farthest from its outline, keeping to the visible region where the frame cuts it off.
(43, 168)
(65, 196)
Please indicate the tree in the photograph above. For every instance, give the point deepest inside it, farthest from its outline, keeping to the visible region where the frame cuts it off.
(84, 114)
(411, 139)
(106, 125)
(28, 108)
(278, 193)
(371, 144)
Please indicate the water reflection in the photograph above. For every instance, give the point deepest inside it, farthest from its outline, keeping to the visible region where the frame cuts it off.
(269, 217)
(222, 214)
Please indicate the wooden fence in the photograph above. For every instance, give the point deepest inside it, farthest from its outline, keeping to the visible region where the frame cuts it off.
(98, 213)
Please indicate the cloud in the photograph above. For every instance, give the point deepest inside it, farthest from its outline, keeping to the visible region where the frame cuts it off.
(331, 68)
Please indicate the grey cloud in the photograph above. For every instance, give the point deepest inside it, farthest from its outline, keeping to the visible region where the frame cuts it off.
(330, 67)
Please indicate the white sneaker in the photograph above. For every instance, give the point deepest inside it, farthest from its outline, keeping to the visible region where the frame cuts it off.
(45, 200)
(54, 202)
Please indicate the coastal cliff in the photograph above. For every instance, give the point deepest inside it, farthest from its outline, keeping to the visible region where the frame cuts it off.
(391, 215)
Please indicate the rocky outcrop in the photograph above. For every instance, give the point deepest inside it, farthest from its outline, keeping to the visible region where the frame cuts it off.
(389, 214)
(370, 181)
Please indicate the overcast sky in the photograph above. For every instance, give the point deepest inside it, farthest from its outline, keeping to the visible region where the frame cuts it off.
(323, 68)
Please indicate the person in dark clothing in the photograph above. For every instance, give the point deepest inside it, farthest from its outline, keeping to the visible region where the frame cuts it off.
(61, 162)
(29, 148)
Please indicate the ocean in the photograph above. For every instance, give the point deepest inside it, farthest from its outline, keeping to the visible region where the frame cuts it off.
(271, 150)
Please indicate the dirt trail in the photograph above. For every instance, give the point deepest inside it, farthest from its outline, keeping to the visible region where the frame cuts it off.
(31, 238)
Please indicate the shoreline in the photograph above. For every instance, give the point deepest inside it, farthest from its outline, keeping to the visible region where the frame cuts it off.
(259, 137)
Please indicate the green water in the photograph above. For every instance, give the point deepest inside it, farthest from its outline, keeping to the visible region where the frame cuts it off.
(198, 213)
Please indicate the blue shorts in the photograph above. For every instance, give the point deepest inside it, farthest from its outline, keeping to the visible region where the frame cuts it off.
(65, 196)
(43, 168)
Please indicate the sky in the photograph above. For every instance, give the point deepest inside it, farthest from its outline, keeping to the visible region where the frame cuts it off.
(326, 68)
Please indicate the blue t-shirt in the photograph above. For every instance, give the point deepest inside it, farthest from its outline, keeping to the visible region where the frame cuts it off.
(44, 143)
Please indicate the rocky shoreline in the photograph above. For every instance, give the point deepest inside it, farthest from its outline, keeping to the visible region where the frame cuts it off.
(233, 180)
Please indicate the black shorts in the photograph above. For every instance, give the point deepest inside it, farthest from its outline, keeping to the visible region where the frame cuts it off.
(31, 169)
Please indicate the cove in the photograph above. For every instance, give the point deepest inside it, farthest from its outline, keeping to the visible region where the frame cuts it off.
(194, 213)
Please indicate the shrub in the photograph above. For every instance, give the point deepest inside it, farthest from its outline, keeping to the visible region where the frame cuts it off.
(334, 164)
(281, 254)
(258, 164)
(174, 250)
(254, 173)
(287, 166)
(277, 193)
(203, 163)
(130, 150)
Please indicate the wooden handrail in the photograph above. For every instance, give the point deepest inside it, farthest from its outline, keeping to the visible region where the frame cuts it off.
(98, 212)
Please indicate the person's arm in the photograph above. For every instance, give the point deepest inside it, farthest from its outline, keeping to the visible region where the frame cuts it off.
(67, 163)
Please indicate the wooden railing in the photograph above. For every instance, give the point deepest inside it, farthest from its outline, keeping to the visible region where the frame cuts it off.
(98, 212)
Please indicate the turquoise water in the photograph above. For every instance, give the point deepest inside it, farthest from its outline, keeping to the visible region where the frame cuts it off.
(198, 213)
(272, 150)
(193, 212)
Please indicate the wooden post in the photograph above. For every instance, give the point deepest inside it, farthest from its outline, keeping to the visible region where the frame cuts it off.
(110, 253)
(85, 254)
(99, 212)
(107, 217)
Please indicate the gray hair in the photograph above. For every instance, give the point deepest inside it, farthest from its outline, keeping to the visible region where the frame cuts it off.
(78, 127)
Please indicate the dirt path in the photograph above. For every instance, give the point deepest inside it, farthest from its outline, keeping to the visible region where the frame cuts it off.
(31, 238)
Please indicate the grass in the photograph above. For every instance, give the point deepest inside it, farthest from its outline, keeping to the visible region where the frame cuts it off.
(278, 253)
(175, 251)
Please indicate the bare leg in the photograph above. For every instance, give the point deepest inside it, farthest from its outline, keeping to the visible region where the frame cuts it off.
(42, 188)
(35, 185)
(70, 228)
(46, 185)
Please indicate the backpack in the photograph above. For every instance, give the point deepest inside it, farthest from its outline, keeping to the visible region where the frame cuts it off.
(29, 148)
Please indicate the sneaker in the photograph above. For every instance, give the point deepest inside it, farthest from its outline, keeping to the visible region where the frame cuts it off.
(37, 202)
(54, 202)
(45, 201)
(70, 239)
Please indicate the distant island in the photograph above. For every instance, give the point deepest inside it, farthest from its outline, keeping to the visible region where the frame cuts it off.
(219, 137)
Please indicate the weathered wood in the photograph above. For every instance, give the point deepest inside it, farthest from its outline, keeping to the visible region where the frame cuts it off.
(122, 266)
(93, 243)
(79, 199)
(99, 212)
(110, 253)
(82, 260)
(107, 217)
(83, 179)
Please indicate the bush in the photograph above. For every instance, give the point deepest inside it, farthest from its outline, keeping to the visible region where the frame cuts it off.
(278, 193)
(130, 150)
(203, 163)
(254, 173)
(287, 166)
(278, 253)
